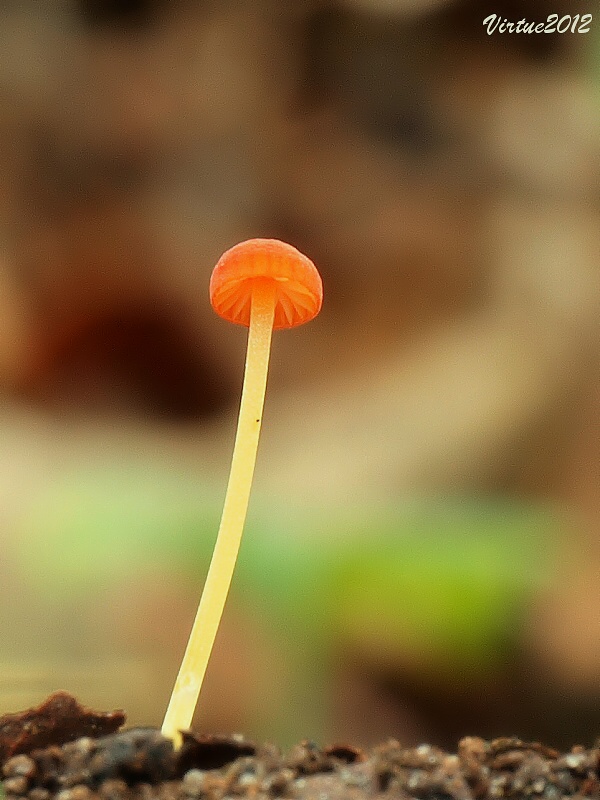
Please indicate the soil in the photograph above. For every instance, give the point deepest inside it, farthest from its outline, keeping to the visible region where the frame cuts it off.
(63, 751)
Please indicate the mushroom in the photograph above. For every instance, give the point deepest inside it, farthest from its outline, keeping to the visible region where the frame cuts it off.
(264, 284)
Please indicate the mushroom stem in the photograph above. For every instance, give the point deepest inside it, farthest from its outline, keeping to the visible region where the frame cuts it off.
(195, 660)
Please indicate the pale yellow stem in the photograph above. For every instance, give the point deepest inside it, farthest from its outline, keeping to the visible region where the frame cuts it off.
(195, 660)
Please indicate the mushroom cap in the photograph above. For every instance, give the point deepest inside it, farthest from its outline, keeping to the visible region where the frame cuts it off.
(298, 286)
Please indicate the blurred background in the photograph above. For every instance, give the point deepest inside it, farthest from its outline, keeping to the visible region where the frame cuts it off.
(422, 556)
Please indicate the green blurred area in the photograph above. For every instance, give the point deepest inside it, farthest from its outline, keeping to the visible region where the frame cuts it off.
(452, 570)
(437, 587)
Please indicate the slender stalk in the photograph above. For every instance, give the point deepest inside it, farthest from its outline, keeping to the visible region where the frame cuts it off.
(195, 660)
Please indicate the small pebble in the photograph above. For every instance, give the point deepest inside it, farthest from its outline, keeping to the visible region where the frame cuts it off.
(353, 777)
(277, 782)
(576, 760)
(247, 780)
(16, 785)
(113, 789)
(77, 792)
(84, 745)
(552, 793)
(39, 794)
(194, 782)
(473, 746)
(19, 766)
(168, 791)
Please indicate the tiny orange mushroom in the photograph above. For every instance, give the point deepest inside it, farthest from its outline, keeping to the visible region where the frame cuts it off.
(264, 284)
(293, 276)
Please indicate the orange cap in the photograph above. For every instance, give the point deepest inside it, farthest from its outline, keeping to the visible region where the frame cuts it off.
(298, 286)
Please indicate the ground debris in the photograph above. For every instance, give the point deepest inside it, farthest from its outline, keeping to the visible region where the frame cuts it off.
(60, 718)
(140, 764)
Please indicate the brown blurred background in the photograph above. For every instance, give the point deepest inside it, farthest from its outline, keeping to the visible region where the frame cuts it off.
(446, 184)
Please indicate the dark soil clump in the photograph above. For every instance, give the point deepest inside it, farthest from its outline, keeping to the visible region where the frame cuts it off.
(60, 718)
(140, 764)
